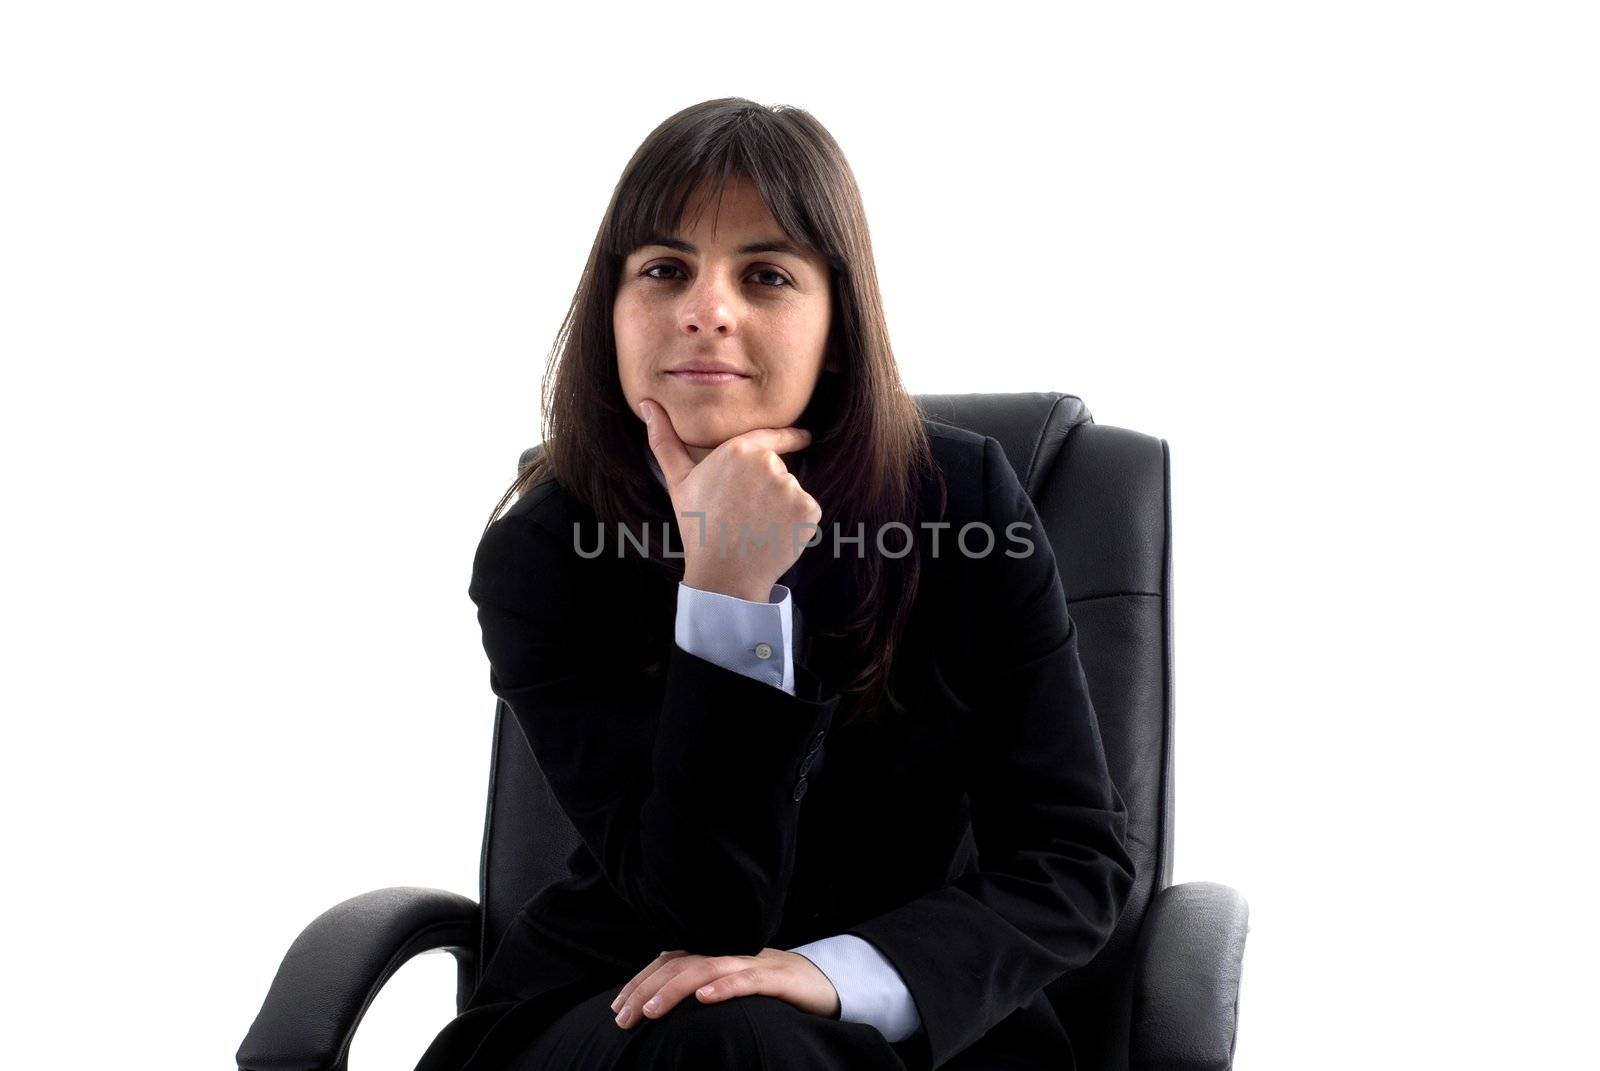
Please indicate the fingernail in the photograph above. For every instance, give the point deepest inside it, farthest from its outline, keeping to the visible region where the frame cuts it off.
(644, 410)
(652, 1004)
(706, 991)
(622, 1017)
(614, 1003)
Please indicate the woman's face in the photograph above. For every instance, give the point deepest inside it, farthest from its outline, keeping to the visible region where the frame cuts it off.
(707, 296)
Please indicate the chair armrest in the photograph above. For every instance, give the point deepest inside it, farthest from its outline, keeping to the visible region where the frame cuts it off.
(337, 965)
(1186, 979)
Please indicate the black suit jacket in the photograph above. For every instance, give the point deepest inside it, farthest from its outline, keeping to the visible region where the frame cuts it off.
(979, 842)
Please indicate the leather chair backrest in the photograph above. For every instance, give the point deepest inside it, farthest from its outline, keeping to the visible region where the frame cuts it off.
(1104, 496)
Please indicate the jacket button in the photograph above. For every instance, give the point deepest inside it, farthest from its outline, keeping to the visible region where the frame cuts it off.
(806, 765)
(800, 787)
(818, 741)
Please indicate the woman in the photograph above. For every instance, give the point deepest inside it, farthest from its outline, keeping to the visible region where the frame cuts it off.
(783, 757)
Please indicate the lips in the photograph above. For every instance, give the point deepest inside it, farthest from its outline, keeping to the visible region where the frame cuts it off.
(707, 378)
(708, 367)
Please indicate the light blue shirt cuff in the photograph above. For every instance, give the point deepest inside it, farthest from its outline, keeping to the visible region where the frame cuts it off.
(870, 990)
(752, 638)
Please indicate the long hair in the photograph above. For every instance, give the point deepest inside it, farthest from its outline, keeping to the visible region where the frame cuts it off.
(868, 449)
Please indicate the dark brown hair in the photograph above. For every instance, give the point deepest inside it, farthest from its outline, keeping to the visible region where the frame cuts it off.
(868, 449)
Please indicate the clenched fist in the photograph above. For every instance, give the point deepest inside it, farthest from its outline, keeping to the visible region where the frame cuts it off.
(757, 519)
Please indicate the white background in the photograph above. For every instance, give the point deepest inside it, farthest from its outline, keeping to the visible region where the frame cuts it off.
(279, 282)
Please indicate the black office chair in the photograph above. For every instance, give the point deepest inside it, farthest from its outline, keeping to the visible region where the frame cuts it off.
(1161, 996)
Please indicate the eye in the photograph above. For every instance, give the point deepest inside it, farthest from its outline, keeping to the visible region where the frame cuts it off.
(783, 280)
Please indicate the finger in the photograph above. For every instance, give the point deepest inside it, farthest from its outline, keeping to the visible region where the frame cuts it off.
(670, 454)
(779, 440)
(629, 1011)
(740, 983)
(633, 983)
(649, 969)
(644, 973)
(686, 981)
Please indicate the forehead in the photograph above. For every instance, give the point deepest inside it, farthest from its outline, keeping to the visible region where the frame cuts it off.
(775, 243)
(737, 219)
(733, 221)
(736, 205)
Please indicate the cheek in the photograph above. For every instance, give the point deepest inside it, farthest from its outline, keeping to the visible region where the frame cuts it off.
(636, 317)
(804, 330)
(622, 319)
(631, 343)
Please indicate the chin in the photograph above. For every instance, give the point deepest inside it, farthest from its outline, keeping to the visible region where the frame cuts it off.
(710, 434)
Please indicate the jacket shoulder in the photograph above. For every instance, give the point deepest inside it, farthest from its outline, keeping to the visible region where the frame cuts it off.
(549, 506)
(959, 456)
(521, 558)
(952, 438)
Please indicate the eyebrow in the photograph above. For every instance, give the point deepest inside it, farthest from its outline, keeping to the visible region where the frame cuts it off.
(765, 245)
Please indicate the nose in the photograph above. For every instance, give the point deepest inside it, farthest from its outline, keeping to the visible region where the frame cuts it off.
(708, 308)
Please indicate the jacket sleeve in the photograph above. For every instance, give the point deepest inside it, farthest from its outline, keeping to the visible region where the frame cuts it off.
(683, 792)
(1050, 826)
(724, 630)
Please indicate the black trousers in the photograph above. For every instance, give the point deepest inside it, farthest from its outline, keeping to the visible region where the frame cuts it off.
(745, 1032)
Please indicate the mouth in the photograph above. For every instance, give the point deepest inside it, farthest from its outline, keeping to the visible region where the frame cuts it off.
(707, 378)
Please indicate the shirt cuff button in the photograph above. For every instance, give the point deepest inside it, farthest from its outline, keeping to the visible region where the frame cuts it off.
(763, 650)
